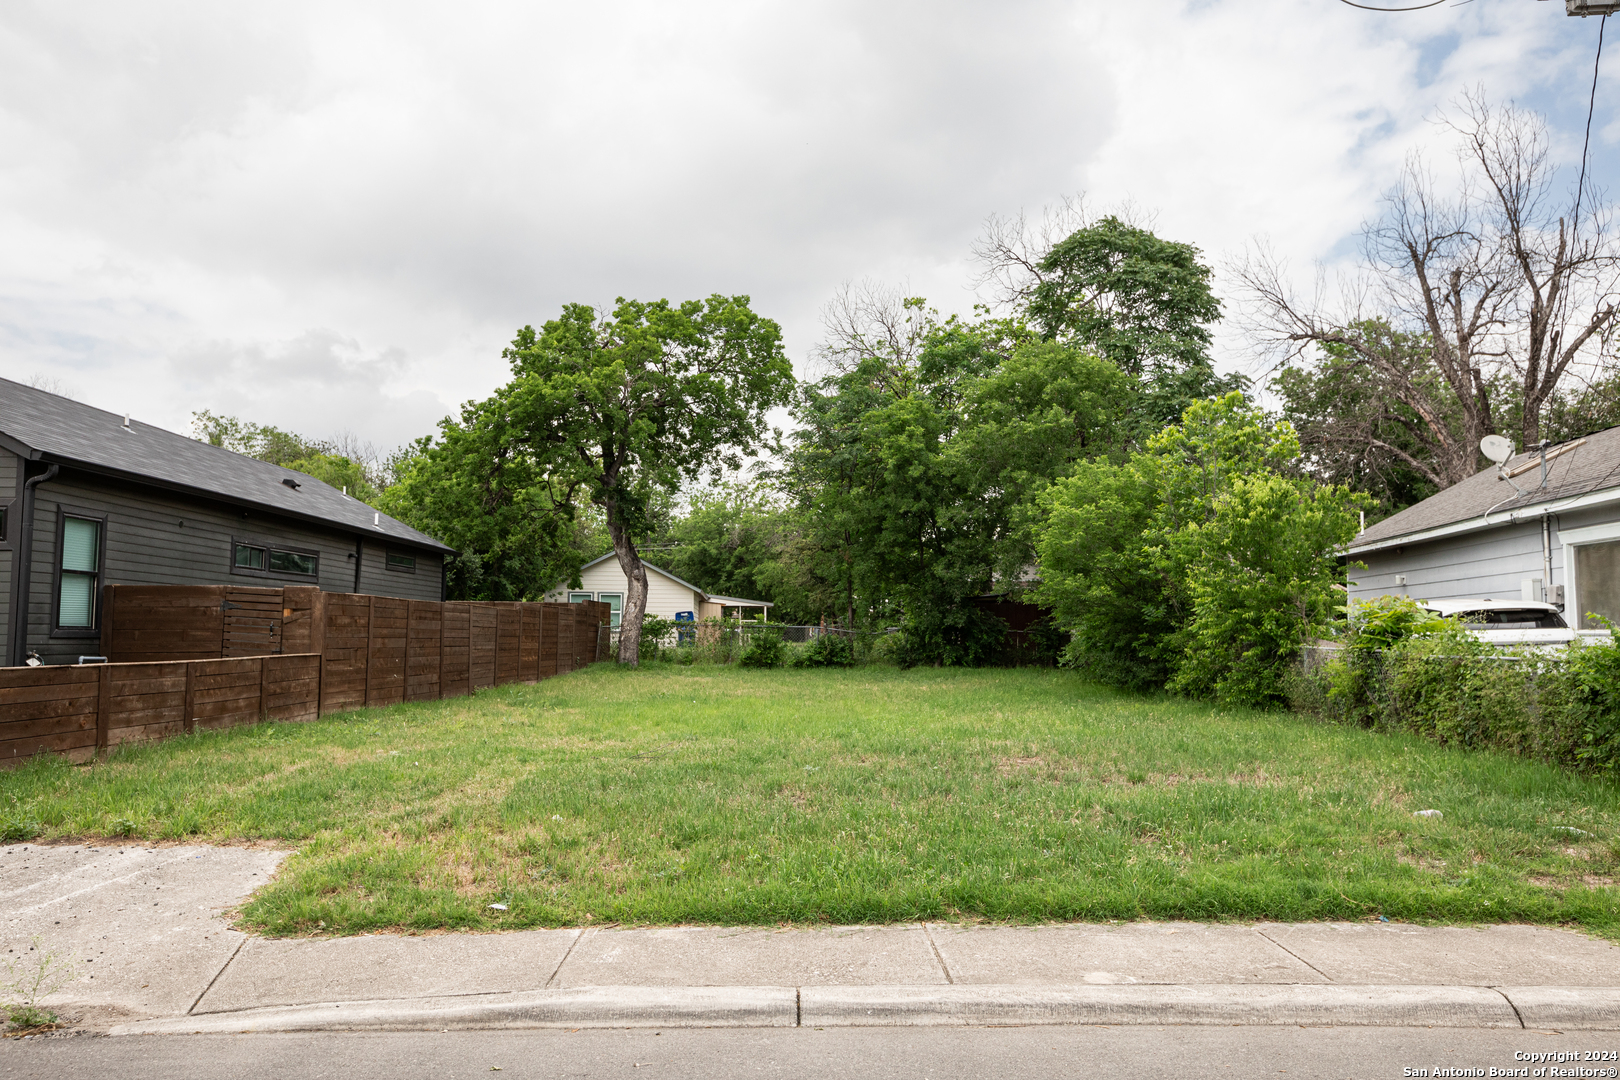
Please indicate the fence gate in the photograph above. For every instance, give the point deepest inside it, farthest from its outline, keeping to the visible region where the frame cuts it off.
(252, 622)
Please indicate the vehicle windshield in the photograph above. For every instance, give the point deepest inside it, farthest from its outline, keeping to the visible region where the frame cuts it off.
(1512, 619)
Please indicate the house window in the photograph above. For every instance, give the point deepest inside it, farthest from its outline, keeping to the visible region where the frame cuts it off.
(1597, 573)
(404, 564)
(80, 572)
(2, 524)
(258, 558)
(615, 603)
(581, 597)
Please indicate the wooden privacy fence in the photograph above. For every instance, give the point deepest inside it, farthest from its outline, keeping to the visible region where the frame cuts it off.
(78, 710)
(182, 658)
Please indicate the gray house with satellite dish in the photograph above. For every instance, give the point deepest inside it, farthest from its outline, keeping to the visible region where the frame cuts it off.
(89, 498)
(1539, 526)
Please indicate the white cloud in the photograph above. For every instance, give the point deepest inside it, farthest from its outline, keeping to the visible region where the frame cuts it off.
(334, 215)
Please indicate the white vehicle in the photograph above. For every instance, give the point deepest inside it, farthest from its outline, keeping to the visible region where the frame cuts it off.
(1506, 622)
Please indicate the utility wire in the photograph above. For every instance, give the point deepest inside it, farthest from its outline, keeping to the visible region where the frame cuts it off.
(1591, 106)
(1365, 7)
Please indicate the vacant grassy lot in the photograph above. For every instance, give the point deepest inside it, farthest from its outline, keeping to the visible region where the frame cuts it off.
(717, 795)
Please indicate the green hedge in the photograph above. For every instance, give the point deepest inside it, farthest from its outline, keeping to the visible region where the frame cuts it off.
(1437, 680)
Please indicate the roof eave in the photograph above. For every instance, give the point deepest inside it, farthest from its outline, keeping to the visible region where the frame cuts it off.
(147, 480)
(1600, 497)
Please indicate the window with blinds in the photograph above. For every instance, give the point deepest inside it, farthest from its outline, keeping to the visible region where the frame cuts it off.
(80, 574)
(1597, 577)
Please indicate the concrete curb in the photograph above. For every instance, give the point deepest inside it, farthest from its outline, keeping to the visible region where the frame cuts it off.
(1568, 1008)
(596, 1006)
(1561, 1007)
(1347, 1006)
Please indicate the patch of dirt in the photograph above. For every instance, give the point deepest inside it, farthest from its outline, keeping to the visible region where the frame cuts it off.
(1596, 881)
(1009, 766)
(1421, 862)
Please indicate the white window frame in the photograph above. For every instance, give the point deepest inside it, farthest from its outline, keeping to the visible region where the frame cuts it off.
(617, 616)
(1569, 540)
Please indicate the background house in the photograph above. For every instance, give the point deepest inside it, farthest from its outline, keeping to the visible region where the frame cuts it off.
(89, 498)
(1512, 533)
(667, 595)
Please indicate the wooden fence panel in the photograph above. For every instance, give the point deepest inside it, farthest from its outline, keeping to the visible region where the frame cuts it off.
(566, 620)
(390, 625)
(550, 615)
(457, 670)
(302, 619)
(73, 710)
(508, 642)
(252, 622)
(529, 657)
(346, 652)
(148, 623)
(148, 701)
(227, 692)
(481, 647)
(423, 651)
(48, 709)
(292, 687)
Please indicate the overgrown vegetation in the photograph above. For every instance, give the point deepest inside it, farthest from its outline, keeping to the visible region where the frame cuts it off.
(1201, 563)
(679, 794)
(1404, 669)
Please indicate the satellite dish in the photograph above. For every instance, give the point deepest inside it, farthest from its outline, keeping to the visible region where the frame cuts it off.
(1496, 448)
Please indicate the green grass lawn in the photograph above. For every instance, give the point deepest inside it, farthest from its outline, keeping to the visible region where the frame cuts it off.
(715, 795)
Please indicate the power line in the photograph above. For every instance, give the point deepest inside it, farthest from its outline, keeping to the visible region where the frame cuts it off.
(1591, 106)
(1365, 7)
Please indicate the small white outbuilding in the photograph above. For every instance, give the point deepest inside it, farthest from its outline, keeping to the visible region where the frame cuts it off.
(668, 597)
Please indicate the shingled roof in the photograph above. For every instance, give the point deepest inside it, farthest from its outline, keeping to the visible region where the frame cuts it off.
(50, 428)
(1585, 472)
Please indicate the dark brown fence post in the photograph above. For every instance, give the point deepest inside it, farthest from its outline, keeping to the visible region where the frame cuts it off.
(371, 640)
(103, 707)
(108, 608)
(191, 696)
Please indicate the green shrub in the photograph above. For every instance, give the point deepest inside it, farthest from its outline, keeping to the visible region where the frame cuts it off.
(765, 649)
(1432, 678)
(828, 650)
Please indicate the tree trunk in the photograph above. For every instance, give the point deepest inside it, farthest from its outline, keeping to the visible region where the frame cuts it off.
(635, 601)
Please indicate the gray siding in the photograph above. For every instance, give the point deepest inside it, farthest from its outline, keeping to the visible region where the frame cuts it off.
(155, 538)
(378, 580)
(10, 468)
(1493, 562)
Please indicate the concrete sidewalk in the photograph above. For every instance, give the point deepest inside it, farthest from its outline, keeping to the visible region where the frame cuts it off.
(154, 955)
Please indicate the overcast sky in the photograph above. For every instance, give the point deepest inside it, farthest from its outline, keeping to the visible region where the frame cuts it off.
(332, 216)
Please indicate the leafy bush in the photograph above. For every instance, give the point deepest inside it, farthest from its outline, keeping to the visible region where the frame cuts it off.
(1433, 678)
(765, 649)
(828, 650)
(1202, 563)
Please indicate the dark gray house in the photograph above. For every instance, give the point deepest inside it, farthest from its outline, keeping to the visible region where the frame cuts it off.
(90, 498)
(1521, 532)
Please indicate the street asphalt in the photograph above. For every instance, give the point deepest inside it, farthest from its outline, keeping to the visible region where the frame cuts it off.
(1130, 1053)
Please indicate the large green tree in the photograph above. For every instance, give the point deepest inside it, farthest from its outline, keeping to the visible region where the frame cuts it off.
(476, 488)
(618, 407)
(1202, 562)
(914, 472)
(1113, 288)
